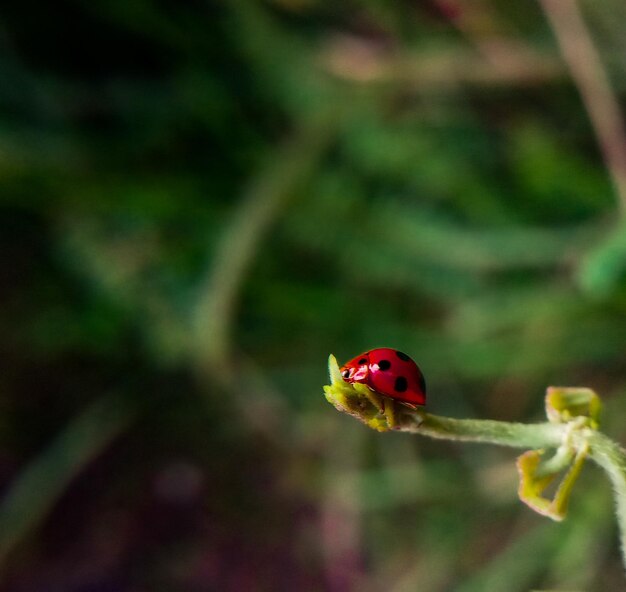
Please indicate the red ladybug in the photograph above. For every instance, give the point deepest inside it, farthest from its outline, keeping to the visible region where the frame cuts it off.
(389, 372)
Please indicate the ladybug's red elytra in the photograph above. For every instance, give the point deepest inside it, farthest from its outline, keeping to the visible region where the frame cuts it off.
(389, 372)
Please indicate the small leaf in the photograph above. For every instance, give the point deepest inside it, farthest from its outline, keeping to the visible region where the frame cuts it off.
(534, 481)
(565, 403)
(334, 371)
(531, 487)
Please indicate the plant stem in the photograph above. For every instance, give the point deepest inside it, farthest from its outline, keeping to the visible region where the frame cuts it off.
(517, 435)
(606, 453)
(612, 458)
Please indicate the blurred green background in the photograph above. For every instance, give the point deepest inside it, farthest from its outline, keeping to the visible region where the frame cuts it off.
(200, 200)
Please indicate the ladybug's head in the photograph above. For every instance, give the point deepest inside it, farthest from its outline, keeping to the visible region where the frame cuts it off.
(356, 370)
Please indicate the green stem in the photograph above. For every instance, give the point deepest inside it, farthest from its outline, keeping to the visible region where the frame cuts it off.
(517, 435)
(606, 453)
(612, 458)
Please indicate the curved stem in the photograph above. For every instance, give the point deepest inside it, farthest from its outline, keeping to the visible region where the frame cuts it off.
(269, 193)
(612, 458)
(606, 453)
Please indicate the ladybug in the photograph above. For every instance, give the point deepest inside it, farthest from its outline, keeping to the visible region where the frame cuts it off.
(388, 372)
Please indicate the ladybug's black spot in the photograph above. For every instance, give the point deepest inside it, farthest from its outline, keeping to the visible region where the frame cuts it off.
(401, 384)
(384, 364)
(402, 356)
(422, 383)
(362, 361)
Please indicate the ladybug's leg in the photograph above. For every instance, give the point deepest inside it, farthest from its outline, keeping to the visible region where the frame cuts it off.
(375, 399)
(385, 406)
(389, 411)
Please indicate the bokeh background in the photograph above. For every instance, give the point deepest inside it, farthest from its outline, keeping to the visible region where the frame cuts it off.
(200, 200)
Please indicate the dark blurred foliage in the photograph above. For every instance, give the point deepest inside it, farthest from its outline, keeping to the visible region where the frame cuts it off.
(200, 200)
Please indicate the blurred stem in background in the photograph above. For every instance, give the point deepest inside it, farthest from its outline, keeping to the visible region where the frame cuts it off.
(214, 316)
(268, 195)
(593, 85)
(39, 486)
